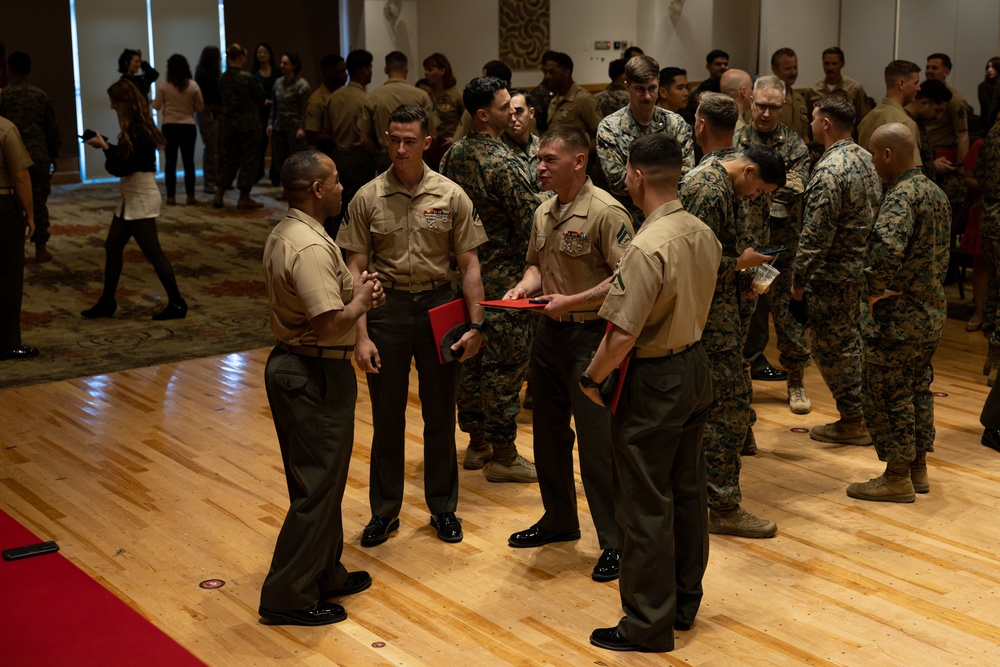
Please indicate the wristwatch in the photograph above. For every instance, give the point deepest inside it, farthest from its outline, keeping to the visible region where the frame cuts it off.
(588, 383)
(476, 326)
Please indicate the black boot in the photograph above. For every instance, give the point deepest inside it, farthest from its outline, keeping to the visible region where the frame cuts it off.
(103, 308)
(175, 310)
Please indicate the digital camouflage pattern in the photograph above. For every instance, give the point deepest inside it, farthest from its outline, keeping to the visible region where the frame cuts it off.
(527, 154)
(898, 403)
(288, 113)
(242, 96)
(726, 428)
(784, 222)
(505, 201)
(611, 99)
(988, 175)
(615, 135)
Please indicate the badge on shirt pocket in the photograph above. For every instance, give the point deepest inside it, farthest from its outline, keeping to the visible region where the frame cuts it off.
(437, 219)
(575, 244)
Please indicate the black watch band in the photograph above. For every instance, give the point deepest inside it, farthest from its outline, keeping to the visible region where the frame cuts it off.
(476, 326)
(587, 382)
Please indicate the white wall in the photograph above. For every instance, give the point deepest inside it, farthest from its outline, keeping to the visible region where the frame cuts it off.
(577, 24)
(735, 29)
(806, 27)
(867, 38)
(383, 36)
(443, 28)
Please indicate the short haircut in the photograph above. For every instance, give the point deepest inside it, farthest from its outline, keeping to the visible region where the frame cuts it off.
(934, 91)
(654, 153)
(498, 70)
(835, 51)
(300, 170)
(839, 109)
(480, 93)
(357, 60)
(235, 52)
(125, 58)
(19, 62)
(943, 57)
(899, 69)
(769, 82)
(331, 60)
(776, 56)
(616, 68)
(770, 164)
(396, 61)
(571, 137)
(632, 52)
(668, 74)
(294, 59)
(715, 53)
(520, 91)
(559, 58)
(719, 110)
(406, 114)
(641, 69)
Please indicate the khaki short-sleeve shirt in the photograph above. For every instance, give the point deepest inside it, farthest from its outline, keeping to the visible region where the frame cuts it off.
(316, 118)
(306, 276)
(664, 284)
(381, 102)
(944, 131)
(411, 238)
(13, 155)
(577, 108)
(579, 249)
(888, 111)
(343, 111)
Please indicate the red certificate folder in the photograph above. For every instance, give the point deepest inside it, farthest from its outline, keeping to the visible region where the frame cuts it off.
(448, 323)
(620, 381)
(514, 304)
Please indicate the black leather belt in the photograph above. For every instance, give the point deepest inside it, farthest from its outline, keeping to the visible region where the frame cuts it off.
(415, 288)
(339, 352)
(579, 318)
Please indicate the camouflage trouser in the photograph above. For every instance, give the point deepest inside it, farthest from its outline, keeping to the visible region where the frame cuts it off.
(793, 346)
(726, 428)
(991, 312)
(953, 184)
(898, 403)
(747, 306)
(242, 153)
(490, 382)
(41, 188)
(834, 317)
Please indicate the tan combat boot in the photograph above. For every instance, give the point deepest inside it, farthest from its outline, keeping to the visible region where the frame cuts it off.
(518, 470)
(918, 473)
(245, 203)
(892, 486)
(798, 400)
(843, 432)
(740, 523)
(478, 453)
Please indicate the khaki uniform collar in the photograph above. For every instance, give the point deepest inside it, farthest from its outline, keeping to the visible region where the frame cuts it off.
(302, 216)
(579, 207)
(426, 186)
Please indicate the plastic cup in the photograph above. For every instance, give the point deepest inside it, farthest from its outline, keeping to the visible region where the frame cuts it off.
(763, 276)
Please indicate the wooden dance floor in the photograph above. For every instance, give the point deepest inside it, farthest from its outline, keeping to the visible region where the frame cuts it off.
(156, 479)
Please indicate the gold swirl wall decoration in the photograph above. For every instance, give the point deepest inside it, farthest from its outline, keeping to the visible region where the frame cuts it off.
(524, 32)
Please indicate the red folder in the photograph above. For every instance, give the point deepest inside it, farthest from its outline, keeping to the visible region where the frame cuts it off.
(622, 371)
(448, 324)
(514, 304)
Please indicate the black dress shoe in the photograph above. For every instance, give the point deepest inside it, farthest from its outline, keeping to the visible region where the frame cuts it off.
(355, 583)
(22, 352)
(173, 311)
(768, 373)
(377, 531)
(103, 308)
(324, 613)
(682, 625)
(607, 566)
(449, 527)
(536, 536)
(991, 438)
(612, 640)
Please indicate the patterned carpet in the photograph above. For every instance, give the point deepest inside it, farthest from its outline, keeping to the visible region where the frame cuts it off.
(216, 255)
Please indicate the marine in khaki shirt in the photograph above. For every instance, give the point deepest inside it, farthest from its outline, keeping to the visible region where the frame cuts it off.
(571, 104)
(577, 238)
(381, 102)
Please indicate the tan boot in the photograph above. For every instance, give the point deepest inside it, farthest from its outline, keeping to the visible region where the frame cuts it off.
(518, 470)
(478, 453)
(892, 486)
(843, 432)
(918, 473)
(245, 203)
(749, 444)
(798, 400)
(740, 523)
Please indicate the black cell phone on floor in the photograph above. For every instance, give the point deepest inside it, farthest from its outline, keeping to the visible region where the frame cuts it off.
(30, 550)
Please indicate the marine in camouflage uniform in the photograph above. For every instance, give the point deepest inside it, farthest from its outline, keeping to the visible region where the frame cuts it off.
(707, 193)
(784, 222)
(31, 111)
(242, 96)
(611, 99)
(615, 135)
(505, 201)
(841, 201)
(988, 175)
(527, 155)
(908, 251)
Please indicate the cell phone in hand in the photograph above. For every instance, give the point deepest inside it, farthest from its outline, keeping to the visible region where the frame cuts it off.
(773, 251)
(30, 550)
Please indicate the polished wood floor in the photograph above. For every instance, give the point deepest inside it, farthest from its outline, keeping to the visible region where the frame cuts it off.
(153, 480)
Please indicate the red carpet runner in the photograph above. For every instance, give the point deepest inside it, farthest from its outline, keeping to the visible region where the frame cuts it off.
(54, 614)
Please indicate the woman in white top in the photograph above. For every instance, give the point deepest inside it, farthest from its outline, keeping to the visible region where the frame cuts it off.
(177, 100)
